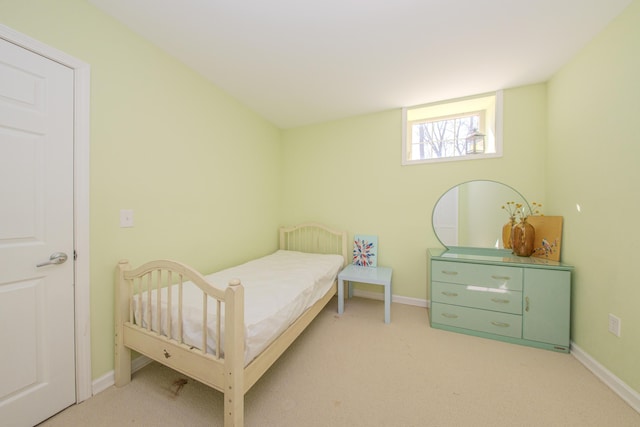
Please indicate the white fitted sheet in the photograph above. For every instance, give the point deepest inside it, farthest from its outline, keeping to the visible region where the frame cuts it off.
(278, 288)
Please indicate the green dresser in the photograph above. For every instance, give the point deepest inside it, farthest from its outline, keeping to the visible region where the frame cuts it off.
(494, 294)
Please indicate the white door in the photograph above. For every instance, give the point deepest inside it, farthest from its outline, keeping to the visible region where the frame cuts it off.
(37, 357)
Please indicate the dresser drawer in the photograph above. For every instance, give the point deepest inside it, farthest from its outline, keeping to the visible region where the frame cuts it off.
(491, 276)
(503, 300)
(474, 319)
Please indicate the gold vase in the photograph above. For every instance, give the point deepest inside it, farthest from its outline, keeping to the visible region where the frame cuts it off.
(523, 237)
(506, 232)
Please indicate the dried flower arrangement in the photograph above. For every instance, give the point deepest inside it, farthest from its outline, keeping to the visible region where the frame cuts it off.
(518, 210)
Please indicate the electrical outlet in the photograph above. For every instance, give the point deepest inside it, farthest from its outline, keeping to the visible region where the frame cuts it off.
(614, 325)
(126, 218)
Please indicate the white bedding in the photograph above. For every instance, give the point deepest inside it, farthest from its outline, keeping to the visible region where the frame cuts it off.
(278, 288)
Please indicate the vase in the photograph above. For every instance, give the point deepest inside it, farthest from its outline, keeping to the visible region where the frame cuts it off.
(506, 232)
(523, 237)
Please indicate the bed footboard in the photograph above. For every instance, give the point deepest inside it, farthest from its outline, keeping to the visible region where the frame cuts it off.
(222, 369)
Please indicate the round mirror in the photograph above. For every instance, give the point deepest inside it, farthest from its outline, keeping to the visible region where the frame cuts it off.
(471, 214)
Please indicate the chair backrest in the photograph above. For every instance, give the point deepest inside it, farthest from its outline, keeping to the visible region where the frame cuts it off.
(365, 250)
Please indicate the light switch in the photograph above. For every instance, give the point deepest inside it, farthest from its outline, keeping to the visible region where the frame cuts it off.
(126, 218)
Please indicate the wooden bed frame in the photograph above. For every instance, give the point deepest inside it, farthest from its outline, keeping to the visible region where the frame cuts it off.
(224, 370)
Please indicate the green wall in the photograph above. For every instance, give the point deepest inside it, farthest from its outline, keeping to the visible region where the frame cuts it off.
(594, 161)
(200, 170)
(348, 173)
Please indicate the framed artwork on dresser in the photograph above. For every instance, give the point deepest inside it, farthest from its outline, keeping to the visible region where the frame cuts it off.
(548, 233)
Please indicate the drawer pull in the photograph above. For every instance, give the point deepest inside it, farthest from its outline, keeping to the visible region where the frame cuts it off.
(500, 324)
(526, 304)
(501, 277)
(450, 315)
(500, 300)
(449, 294)
(449, 272)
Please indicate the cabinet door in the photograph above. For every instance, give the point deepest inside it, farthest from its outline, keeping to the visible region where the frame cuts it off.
(546, 302)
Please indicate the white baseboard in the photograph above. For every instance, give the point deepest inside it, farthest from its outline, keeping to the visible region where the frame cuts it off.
(109, 379)
(627, 394)
(394, 298)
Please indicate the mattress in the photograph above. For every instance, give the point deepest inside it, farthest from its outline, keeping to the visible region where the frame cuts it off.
(278, 288)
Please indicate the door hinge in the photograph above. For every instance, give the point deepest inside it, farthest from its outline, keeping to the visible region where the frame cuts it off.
(75, 255)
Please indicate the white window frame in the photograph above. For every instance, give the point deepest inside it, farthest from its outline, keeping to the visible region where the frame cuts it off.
(451, 108)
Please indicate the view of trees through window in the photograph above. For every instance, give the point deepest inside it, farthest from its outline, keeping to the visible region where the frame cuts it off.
(445, 137)
(453, 130)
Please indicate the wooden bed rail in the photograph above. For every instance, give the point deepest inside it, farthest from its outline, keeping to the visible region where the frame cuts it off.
(228, 362)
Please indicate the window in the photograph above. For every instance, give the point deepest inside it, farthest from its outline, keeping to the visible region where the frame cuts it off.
(461, 129)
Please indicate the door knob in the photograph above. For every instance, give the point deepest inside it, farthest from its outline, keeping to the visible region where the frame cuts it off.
(55, 258)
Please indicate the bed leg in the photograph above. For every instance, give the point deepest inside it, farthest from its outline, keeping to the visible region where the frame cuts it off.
(122, 366)
(234, 355)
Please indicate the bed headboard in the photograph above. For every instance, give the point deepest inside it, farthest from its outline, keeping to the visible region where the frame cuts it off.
(314, 238)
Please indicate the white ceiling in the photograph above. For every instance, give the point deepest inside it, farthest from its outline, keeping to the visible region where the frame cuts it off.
(298, 62)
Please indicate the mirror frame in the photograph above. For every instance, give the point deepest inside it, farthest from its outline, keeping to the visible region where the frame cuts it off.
(492, 213)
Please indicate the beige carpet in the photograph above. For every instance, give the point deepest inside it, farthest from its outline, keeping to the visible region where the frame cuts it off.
(355, 370)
